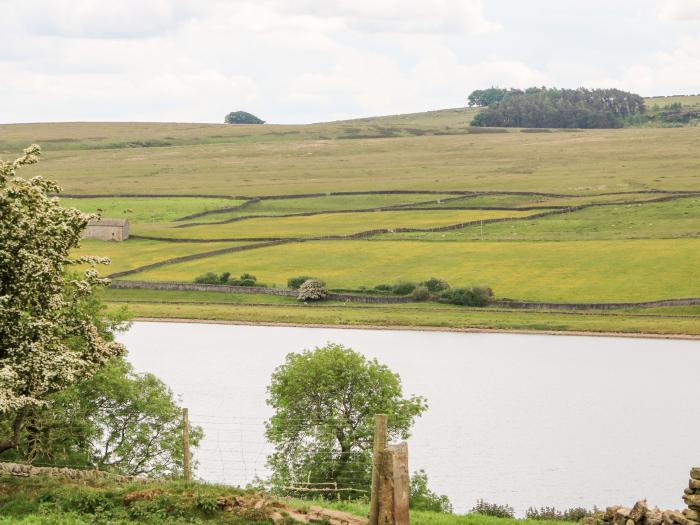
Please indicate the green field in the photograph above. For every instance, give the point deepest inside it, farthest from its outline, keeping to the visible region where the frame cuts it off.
(322, 225)
(141, 252)
(148, 210)
(639, 246)
(662, 220)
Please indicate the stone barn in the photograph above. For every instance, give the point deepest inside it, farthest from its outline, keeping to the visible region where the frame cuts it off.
(107, 229)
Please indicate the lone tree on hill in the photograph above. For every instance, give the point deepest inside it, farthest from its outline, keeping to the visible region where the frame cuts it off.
(324, 402)
(48, 338)
(242, 117)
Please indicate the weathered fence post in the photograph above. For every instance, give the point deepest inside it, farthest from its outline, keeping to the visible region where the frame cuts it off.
(186, 445)
(380, 436)
(394, 486)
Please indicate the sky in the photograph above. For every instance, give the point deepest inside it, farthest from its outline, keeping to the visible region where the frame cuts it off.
(300, 61)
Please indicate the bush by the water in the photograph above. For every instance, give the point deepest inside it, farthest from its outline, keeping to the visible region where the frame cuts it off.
(474, 296)
(493, 509)
(562, 108)
(422, 498)
(312, 290)
(552, 514)
(245, 279)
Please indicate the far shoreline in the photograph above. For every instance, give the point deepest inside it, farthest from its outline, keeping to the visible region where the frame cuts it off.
(629, 335)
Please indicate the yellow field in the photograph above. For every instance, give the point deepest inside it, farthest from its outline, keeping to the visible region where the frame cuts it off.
(135, 252)
(582, 271)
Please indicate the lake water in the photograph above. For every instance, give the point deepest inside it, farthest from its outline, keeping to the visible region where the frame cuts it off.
(526, 420)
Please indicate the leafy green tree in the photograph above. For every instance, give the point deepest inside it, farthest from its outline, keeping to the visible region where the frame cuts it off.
(492, 95)
(117, 420)
(242, 117)
(324, 404)
(48, 337)
(422, 498)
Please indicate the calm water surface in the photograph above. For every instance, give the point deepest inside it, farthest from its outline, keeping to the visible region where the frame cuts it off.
(526, 420)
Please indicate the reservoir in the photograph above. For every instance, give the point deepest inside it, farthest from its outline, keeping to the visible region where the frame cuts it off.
(524, 420)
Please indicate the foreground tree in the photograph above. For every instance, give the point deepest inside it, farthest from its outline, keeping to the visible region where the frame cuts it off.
(242, 117)
(117, 420)
(48, 338)
(324, 402)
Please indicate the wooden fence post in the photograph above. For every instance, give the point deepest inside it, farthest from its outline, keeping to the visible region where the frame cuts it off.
(394, 486)
(380, 437)
(186, 445)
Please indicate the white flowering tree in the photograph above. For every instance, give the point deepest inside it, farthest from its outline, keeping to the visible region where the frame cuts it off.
(48, 339)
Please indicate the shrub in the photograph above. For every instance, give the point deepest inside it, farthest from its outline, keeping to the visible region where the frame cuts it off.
(384, 288)
(436, 285)
(246, 279)
(224, 277)
(295, 282)
(421, 293)
(474, 296)
(422, 498)
(493, 509)
(552, 514)
(208, 278)
(403, 287)
(312, 290)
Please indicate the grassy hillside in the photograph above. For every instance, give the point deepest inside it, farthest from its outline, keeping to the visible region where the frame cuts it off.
(39, 500)
(563, 216)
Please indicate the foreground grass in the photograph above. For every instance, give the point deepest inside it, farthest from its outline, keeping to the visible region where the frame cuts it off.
(422, 517)
(40, 500)
(577, 272)
(51, 501)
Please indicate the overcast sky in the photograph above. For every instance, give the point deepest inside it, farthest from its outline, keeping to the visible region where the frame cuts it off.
(297, 61)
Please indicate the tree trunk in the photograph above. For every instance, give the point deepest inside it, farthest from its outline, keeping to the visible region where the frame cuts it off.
(17, 425)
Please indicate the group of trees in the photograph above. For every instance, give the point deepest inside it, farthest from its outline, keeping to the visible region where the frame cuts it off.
(555, 108)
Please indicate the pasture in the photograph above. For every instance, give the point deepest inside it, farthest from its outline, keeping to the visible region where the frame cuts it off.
(568, 216)
(580, 271)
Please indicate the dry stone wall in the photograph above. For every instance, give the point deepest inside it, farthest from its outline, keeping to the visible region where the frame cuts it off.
(641, 514)
(20, 469)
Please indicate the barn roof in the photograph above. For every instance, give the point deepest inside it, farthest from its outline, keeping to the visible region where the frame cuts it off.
(108, 222)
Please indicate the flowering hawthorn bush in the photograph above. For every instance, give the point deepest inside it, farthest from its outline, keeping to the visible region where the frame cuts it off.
(47, 338)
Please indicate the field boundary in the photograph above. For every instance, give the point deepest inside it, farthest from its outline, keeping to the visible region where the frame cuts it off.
(511, 304)
(285, 292)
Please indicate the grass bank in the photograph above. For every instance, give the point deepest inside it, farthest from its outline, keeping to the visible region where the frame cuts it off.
(262, 309)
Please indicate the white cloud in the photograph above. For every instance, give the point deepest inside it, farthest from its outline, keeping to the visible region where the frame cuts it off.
(101, 19)
(298, 60)
(679, 10)
(398, 16)
(664, 73)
